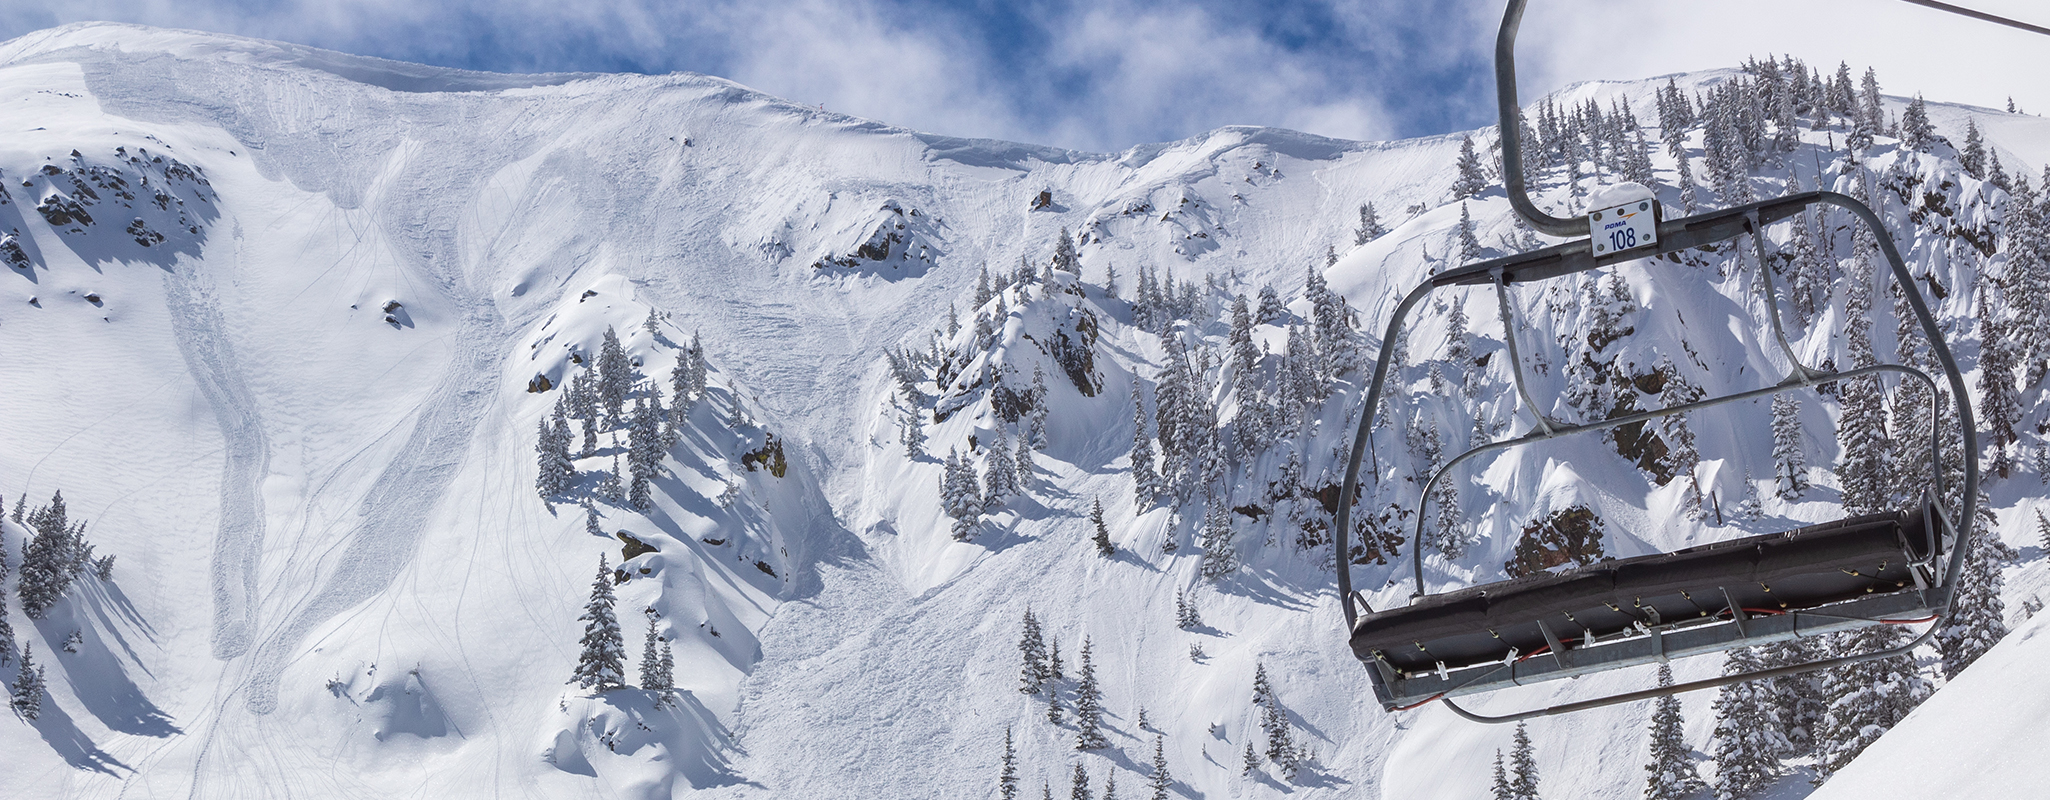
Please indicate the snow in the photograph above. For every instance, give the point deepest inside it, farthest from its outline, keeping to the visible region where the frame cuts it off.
(1978, 737)
(334, 576)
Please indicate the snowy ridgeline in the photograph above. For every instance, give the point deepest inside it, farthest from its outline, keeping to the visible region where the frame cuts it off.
(935, 468)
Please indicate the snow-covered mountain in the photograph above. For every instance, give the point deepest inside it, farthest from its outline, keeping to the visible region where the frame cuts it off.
(282, 323)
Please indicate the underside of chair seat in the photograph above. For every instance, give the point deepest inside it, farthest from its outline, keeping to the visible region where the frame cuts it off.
(1773, 573)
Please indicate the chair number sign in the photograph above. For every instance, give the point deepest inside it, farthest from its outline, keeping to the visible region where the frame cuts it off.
(1625, 227)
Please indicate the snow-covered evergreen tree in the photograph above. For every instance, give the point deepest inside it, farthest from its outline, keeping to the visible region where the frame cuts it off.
(1186, 615)
(1523, 772)
(1473, 176)
(1973, 155)
(1033, 675)
(1917, 133)
(1078, 786)
(1749, 738)
(1007, 777)
(1089, 705)
(1977, 614)
(51, 559)
(960, 498)
(1101, 537)
(1370, 226)
(1671, 772)
(602, 664)
(1790, 462)
(556, 470)
(1146, 483)
(27, 691)
(1269, 310)
(1750, 507)
(1160, 780)
(615, 377)
(1064, 258)
(644, 451)
(1499, 788)
(658, 666)
(1035, 430)
(1865, 699)
(1000, 473)
(1220, 555)
(911, 434)
(2000, 409)
(583, 405)
(1469, 245)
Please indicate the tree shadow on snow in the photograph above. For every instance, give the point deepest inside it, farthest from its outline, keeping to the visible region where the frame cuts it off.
(68, 741)
(100, 677)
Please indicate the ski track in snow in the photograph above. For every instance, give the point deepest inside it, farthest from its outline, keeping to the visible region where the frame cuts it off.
(196, 319)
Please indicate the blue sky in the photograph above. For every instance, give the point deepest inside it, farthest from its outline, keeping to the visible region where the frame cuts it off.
(1108, 74)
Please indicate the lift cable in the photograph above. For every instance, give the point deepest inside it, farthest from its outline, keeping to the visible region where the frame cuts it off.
(1981, 16)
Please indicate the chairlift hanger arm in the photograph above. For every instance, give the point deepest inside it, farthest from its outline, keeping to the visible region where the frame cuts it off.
(1511, 131)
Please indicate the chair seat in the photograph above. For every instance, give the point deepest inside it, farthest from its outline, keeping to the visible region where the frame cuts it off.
(1799, 569)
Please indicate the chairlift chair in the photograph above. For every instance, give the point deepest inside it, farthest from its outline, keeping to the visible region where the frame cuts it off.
(1895, 567)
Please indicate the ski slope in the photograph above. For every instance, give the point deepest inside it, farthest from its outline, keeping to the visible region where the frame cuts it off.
(335, 578)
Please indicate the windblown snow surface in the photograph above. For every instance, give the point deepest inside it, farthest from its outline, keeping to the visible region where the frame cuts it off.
(335, 578)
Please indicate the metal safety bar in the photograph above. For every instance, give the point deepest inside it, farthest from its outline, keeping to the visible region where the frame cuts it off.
(1674, 235)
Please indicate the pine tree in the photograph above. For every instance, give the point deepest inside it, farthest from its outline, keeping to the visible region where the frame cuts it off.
(1790, 469)
(47, 562)
(1079, 787)
(657, 665)
(1916, 131)
(1188, 617)
(1999, 406)
(1472, 176)
(911, 433)
(1102, 538)
(1220, 556)
(28, 686)
(1865, 699)
(555, 471)
(1750, 507)
(644, 451)
(1089, 706)
(960, 498)
(2042, 532)
(1146, 484)
(1110, 785)
(609, 481)
(1523, 774)
(1053, 660)
(1251, 758)
(1469, 244)
(1973, 156)
(1007, 780)
(591, 520)
(1000, 476)
(1500, 788)
(1370, 226)
(1672, 774)
(1064, 258)
(1034, 675)
(1110, 281)
(1022, 456)
(1269, 310)
(1053, 705)
(1749, 738)
(583, 405)
(1035, 431)
(602, 664)
(615, 378)
(1159, 781)
(1977, 613)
